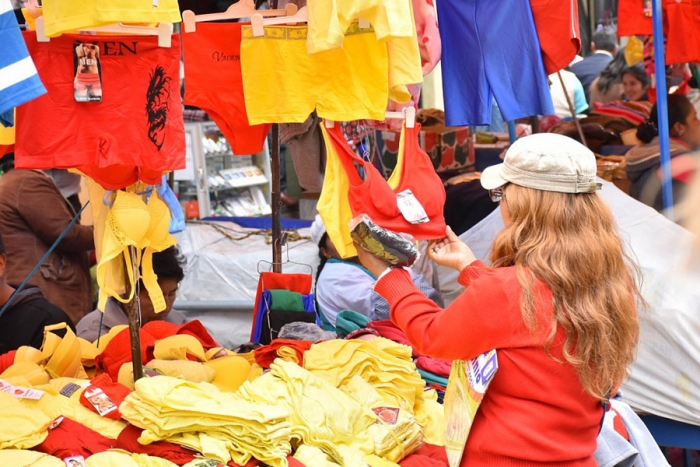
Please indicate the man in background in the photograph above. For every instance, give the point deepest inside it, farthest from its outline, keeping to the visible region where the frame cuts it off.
(603, 46)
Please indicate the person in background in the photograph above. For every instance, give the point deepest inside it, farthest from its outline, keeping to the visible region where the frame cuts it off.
(24, 320)
(607, 87)
(574, 89)
(557, 304)
(69, 184)
(344, 284)
(33, 214)
(635, 83)
(167, 265)
(644, 162)
(603, 46)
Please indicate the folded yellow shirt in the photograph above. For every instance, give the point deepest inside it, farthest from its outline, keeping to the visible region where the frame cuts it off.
(20, 426)
(184, 369)
(24, 458)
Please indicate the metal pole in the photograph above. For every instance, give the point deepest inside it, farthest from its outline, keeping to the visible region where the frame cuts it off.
(133, 313)
(276, 201)
(511, 131)
(662, 108)
(572, 110)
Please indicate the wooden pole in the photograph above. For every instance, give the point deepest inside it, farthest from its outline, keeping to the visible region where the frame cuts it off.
(133, 313)
(276, 201)
(572, 110)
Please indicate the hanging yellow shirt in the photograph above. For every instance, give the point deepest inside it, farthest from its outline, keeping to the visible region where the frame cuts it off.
(62, 16)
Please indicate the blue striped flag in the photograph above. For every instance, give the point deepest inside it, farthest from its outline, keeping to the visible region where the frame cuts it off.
(19, 81)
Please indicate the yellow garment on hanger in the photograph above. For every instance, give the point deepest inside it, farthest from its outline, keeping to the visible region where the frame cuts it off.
(129, 222)
(62, 16)
(26, 458)
(21, 427)
(330, 19)
(7, 135)
(333, 205)
(348, 83)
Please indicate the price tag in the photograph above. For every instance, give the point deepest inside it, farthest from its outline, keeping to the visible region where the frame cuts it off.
(410, 208)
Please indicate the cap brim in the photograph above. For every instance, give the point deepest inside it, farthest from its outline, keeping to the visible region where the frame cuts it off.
(491, 177)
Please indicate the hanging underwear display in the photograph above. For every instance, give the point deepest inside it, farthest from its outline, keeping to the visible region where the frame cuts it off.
(136, 132)
(214, 83)
(491, 50)
(283, 83)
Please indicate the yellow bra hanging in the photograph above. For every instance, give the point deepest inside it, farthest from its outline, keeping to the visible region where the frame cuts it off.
(129, 222)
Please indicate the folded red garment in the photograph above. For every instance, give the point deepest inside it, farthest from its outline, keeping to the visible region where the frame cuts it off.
(128, 440)
(7, 360)
(267, 354)
(428, 455)
(436, 366)
(104, 396)
(68, 438)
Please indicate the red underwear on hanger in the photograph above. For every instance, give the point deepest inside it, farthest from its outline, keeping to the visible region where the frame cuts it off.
(136, 132)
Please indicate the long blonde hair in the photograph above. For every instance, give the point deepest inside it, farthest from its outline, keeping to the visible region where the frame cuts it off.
(570, 241)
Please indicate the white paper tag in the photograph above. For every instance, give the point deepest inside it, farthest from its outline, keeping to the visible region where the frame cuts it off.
(101, 401)
(410, 208)
(74, 461)
(20, 393)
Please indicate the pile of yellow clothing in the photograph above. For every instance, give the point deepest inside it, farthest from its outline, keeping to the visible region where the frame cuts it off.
(387, 366)
(396, 433)
(321, 415)
(215, 423)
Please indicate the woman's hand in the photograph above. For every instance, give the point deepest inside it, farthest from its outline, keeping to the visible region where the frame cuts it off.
(375, 265)
(451, 252)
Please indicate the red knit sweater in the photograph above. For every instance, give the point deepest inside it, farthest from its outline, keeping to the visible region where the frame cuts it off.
(535, 412)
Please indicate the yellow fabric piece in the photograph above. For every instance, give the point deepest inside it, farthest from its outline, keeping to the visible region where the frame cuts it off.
(256, 372)
(7, 135)
(249, 356)
(348, 83)
(65, 359)
(129, 222)
(396, 432)
(404, 64)
(70, 15)
(25, 458)
(375, 461)
(333, 205)
(288, 354)
(21, 427)
(213, 422)
(32, 373)
(230, 372)
(184, 369)
(111, 458)
(321, 415)
(395, 179)
(126, 375)
(330, 19)
(143, 460)
(54, 405)
(431, 416)
(30, 354)
(88, 352)
(310, 455)
(384, 364)
(178, 347)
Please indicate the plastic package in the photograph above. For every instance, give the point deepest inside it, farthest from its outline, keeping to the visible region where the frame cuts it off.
(397, 248)
(305, 332)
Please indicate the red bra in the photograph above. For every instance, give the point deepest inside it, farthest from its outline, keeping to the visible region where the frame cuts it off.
(374, 197)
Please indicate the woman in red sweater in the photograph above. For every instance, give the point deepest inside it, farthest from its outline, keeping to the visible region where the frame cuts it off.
(557, 303)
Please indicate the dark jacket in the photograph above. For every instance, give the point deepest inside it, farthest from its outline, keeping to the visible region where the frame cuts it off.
(643, 171)
(24, 321)
(33, 213)
(589, 69)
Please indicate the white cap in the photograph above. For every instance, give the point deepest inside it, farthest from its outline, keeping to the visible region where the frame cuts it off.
(317, 230)
(548, 162)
